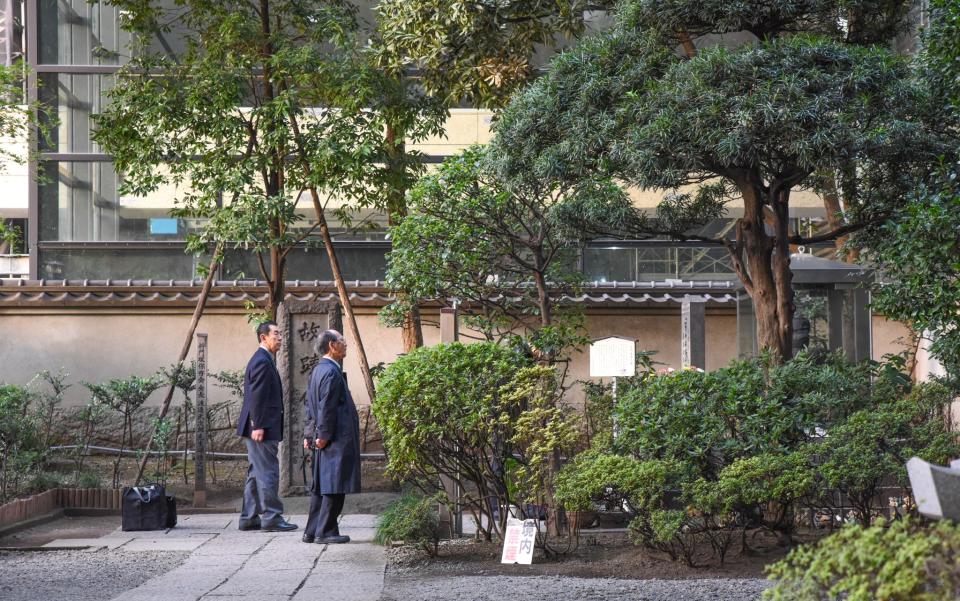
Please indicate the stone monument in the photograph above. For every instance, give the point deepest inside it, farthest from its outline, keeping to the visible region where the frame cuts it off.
(300, 322)
(936, 489)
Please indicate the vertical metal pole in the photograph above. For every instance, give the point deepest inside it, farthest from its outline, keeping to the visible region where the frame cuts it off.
(200, 453)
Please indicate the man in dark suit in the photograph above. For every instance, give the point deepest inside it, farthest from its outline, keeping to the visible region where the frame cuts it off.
(333, 432)
(261, 426)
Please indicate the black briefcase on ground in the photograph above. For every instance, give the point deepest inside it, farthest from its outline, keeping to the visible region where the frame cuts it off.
(147, 508)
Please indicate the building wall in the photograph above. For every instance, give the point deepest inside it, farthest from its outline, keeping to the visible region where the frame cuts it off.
(96, 345)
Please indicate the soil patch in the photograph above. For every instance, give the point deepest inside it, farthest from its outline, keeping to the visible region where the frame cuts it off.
(599, 555)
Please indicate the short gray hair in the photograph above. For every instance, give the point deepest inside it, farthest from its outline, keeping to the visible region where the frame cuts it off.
(328, 336)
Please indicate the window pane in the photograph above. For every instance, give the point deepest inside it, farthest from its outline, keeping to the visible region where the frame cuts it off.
(356, 263)
(76, 32)
(609, 264)
(121, 264)
(79, 202)
(73, 99)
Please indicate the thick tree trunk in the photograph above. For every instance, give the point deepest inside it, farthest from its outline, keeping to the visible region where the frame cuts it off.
(767, 275)
(782, 276)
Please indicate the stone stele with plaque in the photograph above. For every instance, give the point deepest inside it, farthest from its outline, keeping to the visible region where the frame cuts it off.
(300, 322)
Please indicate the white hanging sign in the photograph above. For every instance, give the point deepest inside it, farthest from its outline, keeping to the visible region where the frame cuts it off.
(614, 356)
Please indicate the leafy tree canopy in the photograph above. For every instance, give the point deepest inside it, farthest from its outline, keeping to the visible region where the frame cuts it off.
(477, 49)
(754, 119)
(918, 252)
(503, 249)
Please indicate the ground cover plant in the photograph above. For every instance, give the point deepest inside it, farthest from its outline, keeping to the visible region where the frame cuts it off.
(45, 445)
(412, 519)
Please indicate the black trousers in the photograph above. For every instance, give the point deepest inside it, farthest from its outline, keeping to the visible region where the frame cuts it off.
(324, 512)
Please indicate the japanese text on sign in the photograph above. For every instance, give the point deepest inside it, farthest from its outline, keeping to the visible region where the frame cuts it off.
(613, 356)
(518, 541)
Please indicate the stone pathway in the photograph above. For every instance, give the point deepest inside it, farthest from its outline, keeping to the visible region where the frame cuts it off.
(225, 564)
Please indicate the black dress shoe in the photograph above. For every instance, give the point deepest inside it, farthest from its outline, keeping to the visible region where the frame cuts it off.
(280, 525)
(249, 524)
(307, 538)
(333, 540)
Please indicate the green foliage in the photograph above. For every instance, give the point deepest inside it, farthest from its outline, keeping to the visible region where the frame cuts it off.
(595, 475)
(907, 560)
(478, 414)
(230, 120)
(872, 445)
(755, 119)
(477, 50)
(918, 256)
(19, 120)
(88, 480)
(125, 396)
(162, 430)
(700, 456)
(413, 519)
(539, 428)
(941, 50)
(497, 249)
(20, 439)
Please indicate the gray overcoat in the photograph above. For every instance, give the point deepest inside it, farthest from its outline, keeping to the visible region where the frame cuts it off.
(331, 415)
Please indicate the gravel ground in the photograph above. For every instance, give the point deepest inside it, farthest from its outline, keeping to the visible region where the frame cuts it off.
(561, 588)
(78, 575)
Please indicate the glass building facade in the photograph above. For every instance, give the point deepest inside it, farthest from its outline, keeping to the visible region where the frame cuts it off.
(80, 227)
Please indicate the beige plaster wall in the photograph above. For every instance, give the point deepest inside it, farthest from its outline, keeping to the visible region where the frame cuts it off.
(97, 346)
(890, 337)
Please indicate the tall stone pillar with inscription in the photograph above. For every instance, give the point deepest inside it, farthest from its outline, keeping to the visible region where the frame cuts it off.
(300, 323)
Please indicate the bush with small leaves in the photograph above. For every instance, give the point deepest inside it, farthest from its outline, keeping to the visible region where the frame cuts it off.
(907, 560)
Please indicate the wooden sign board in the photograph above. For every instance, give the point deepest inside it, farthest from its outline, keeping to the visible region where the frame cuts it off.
(613, 357)
(518, 541)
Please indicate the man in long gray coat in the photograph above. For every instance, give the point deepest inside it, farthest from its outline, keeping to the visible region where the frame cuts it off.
(333, 431)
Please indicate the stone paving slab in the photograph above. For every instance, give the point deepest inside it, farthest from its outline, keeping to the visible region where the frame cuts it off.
(167, 543)
(359, 553)
(359, 520)
(226, 564)
(248, 581)
(348, 586)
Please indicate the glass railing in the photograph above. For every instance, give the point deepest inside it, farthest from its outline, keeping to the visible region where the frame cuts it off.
(641, 262)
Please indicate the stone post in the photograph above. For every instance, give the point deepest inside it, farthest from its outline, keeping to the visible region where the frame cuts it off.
(450, 332)
(200, 433)
(693, 331)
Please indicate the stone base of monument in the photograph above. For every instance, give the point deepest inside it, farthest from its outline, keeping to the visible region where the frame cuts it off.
(936, 489)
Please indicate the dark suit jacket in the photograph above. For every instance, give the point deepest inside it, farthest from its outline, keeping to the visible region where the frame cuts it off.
(262, 398)
(332, 416)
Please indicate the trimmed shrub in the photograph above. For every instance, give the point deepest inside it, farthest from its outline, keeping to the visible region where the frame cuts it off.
(904, 561)
(479, 414)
